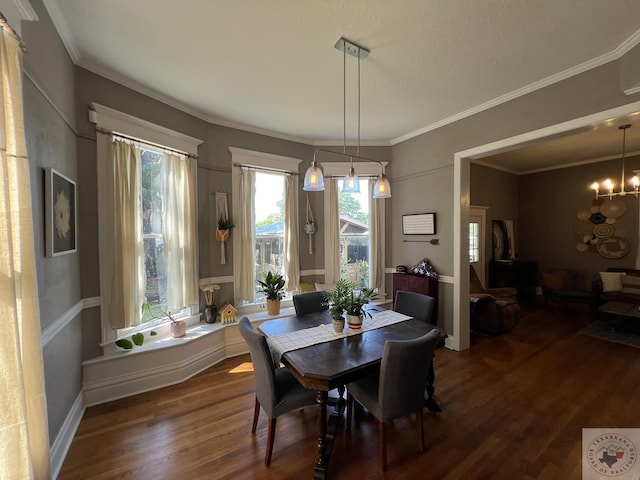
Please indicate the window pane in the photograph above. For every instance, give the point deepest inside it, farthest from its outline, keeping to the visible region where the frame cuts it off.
(474, 253)
(152, 204)
(354, 235)
(269, 214)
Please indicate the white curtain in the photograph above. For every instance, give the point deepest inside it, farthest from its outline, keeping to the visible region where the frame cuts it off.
(291, 240)
(332, 236)
(376, 239)
(128, 283)
(24, 437)
(179, 231)
(244, 261)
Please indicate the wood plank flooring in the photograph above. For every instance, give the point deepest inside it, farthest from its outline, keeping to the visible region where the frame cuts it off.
(514, 406)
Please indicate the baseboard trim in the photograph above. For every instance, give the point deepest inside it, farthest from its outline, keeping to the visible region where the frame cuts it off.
(65, 436)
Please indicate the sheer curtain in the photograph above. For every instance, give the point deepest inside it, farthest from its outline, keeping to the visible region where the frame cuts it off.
(332, 236)
(291, 240)
(179, 232)
(376, 239)
(24, 437)
(128, 283)
(244, 258)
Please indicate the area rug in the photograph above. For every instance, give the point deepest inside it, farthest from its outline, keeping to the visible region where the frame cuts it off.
(627, 333)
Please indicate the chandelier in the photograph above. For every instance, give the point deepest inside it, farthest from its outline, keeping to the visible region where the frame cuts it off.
(609, 185)
(314, 178)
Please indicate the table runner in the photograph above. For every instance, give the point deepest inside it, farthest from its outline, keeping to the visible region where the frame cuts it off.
(280, 344)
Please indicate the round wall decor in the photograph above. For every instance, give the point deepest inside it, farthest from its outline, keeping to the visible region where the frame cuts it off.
(613, 247)
(604, 230)
(613, 207)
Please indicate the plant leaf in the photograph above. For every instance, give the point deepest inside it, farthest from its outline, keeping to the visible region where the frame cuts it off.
(138, 338)
(153, 333)
(124, 343)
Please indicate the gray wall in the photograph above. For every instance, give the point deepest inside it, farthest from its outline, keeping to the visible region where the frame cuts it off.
(51, 142)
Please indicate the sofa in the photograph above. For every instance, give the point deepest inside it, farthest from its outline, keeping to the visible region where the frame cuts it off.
(558, 287)
(493, 310)
(617, 285)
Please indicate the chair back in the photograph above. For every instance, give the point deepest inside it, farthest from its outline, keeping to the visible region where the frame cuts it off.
(309, 302)
(416, 305)
(403, 374)
(263, 367)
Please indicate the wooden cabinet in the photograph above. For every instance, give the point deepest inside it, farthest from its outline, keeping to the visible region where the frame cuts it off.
(418, 284)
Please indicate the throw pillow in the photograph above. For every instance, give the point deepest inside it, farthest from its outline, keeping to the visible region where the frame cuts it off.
(554, 281)
(631, 284)
(306, 287)
(327, 287)
(611, 281)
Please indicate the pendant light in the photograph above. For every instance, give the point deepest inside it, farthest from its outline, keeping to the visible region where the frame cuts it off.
(314, 179)
(609, 185)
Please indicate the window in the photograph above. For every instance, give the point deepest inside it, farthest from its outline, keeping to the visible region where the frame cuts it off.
(147, 222)
(354, 235)
(265, 212)
(269, 206)
(474, 242)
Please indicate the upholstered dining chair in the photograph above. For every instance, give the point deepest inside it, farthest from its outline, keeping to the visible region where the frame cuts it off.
(309, 302)
(399, 388)
(420, 307)
(277, 391)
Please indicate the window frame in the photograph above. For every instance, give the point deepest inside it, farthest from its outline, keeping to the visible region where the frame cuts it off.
(261, 161)
(365, 170)
(113, 120)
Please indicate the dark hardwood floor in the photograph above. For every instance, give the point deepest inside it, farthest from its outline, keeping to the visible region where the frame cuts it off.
(513, 408)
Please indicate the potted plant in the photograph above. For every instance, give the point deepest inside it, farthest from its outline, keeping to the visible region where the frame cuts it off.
(178, 327)
(354, 306)
(335, 300)
(272, 285)
(225, 224)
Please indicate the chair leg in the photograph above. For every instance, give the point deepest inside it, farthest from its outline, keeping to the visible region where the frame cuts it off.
(383, 444)
(271, 433)
(349, 410)
(256, 413)
(420, 425)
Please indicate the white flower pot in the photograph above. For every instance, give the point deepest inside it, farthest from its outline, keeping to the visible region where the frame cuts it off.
(178, 328)
(354, 321)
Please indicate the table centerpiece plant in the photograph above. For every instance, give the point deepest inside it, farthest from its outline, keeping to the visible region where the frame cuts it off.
(345, 299)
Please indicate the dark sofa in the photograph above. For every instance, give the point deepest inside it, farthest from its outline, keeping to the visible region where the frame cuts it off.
(627, 293)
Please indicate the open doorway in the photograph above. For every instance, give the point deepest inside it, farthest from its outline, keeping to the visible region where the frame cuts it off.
(460, 340)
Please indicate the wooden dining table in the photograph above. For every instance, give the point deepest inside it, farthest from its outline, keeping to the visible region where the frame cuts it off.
(332, 364)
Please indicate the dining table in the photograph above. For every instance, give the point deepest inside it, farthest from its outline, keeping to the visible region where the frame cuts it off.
(335, 359)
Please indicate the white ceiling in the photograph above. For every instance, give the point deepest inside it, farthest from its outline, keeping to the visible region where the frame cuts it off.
(270, 65)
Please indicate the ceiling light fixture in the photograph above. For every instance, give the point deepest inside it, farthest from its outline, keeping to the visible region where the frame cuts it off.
(314, 179)
(609, 185)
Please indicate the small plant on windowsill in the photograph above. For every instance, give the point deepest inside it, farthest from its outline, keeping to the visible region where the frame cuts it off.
(272, 285)
(178, 327)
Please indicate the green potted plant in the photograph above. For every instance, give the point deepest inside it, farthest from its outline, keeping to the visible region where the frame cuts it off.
(178, 327)
(272, 285)
(225, 224)
(354, 306)
(335, 300)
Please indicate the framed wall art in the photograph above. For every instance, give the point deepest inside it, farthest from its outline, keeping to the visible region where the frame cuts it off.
(419, 224)
(60, 214)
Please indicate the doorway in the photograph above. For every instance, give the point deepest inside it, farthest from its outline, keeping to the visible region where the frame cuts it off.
(461, 209)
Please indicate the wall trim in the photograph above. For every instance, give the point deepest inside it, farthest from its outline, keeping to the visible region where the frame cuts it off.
(61, 444)
(59, 323)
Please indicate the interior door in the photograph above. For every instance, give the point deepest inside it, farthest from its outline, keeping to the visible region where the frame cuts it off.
(477, 240)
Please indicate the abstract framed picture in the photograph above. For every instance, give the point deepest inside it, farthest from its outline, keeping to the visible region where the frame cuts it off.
(60, 214)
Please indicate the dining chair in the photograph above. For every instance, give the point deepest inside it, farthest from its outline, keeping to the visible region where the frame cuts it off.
(277, 391)
(420, 307)
(398, 389)
(309, 302)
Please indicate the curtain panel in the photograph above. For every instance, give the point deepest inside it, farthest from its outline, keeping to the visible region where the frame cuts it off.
(24, 436)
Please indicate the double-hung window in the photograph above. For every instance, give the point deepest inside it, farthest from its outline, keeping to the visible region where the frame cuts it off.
(355, 243)
(147, 223)
(265, 213)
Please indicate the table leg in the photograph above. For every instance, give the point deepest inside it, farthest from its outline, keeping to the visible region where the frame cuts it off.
(320, 469)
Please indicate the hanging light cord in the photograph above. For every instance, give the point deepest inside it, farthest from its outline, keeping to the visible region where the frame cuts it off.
(358, 151)
(624, 141)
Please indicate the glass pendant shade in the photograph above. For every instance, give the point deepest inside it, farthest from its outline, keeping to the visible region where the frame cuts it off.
(351, 183)
(382, 189)
(313, 179)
